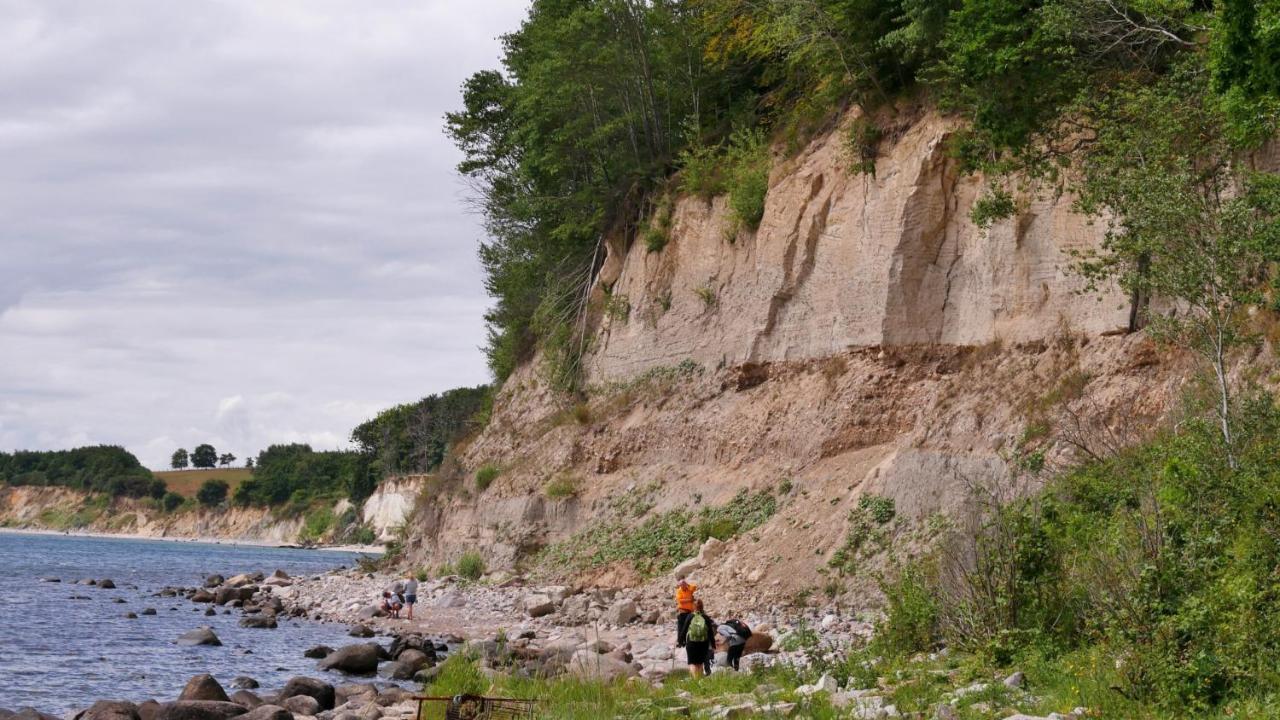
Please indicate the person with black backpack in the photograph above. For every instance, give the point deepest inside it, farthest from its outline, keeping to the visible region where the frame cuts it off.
(699, 637)
(735, 633)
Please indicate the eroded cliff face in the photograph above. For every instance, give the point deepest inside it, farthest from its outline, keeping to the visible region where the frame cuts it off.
(868, 338)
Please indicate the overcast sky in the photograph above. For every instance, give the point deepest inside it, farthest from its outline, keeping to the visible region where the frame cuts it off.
(233, 221)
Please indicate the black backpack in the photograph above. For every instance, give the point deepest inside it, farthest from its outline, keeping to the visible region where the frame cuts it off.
(740, 628)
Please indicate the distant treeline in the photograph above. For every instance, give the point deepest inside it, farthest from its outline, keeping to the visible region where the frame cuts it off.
(408, 438)
(103, 468)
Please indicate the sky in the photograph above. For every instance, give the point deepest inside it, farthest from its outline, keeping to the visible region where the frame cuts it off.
(233, 221)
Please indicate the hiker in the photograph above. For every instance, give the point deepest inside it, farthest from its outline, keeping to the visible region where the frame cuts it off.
(410, 593)
(391, 603)
(699, 640)
(684, 608)
(735, 634)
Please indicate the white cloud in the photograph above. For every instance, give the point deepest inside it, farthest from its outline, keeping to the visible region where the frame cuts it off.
(233, 222)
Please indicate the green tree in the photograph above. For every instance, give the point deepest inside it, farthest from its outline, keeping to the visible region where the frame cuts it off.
(1186, 223)
(226, 459)
(204, 456)
(179, 461)
(212, 492)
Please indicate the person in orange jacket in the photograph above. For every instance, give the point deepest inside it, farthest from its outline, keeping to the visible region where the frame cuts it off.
(685, 605)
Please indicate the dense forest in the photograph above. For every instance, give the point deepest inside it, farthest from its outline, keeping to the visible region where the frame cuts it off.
(105, 469)
(604, 107)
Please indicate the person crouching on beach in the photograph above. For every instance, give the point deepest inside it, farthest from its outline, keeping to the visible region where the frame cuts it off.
(391, 603)
(410, 593)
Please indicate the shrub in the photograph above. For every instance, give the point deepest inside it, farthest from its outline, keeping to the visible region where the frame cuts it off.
(561, 486)
(861, 145)
(470, 565)
(317, 523)
(700, 171)
(998, 204)
(172, 501)
(911, 619)
(486, 475)
(212, 492)
(748, 176)
(364, 535)
(707, 295)
(880, 508)
(617, 307)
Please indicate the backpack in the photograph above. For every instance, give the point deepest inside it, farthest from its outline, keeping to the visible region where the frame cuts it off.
(740, 627)
(697, 631)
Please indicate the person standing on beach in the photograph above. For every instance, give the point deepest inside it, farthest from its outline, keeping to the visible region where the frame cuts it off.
(699, 641)
(410, 593)
(685, 605)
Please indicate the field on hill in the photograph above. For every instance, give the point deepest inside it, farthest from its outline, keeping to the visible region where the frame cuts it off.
(187, 482)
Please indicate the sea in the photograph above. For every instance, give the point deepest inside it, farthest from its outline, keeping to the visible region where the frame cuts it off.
(59, 653)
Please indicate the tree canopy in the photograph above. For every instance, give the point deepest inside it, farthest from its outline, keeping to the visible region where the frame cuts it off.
(104, 468)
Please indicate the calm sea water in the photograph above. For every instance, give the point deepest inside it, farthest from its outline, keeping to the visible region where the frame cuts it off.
(57, 653)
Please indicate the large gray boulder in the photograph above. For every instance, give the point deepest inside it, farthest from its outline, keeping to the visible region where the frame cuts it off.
(111, 710)
(203, 687)
(359, 659)
(262, 621)
(621, 612)
(414, 658)
(539, 604)
(346, 692)
(199, 636)
(396, 670)
(246, 698)
(203, 596)
(199, 710)
(591, 666)
(322, 691)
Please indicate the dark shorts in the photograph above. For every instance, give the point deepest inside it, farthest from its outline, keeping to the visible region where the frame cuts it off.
(697, 652)
(410, 599)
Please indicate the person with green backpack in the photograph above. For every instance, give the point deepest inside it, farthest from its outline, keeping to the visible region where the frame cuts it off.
(699, 637)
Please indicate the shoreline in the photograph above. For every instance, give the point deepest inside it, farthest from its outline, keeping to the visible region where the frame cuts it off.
(248, 542)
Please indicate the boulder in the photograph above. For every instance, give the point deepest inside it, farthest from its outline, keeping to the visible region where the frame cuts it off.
(268, 712)
(538, 605)
(246, 698)
(360, 631)
(317, 651)
(396, 670)
(589, 665)
(346, 692)
(266, 622)
(368, 612)
(147, 710)
(111, 710)
(106, 584)
(242, 579)
(711, 550)
(131, 616)
(1015, 680)
(244, 682)
(203, 596)
(359, 659)
(203, 687)
(214, 581)
(199, 636)
(413, 658)
(621, 612)
(451, 599)
(687, 568)
(198, 710)
(30, 713)
(322, 691)
(225, 594)
(301, 705)
(148, 611)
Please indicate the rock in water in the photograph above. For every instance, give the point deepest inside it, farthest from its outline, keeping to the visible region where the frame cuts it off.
(246, 698)
(320, 690)
(203, 596)
(111, 710)
(214, 581)
(267, 622)
(318, 651)
(354, 659)
(204, 687)
(361, 631)
(199, 710)
(106, 584)
(244, 682)
(199, 636)
(396, 670)
(147, 710)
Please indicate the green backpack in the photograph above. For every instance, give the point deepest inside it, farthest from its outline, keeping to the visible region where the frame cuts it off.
(697, 631)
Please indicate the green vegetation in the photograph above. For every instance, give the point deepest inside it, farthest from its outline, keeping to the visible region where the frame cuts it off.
(171, 501)
(866, 534)
(317, 523)
(103, 469)
(599, 103)
(212, 493)
(661, 541)
(470, 565)
(415, 437)
(486, 475)
(561, 486)
(296, 474)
